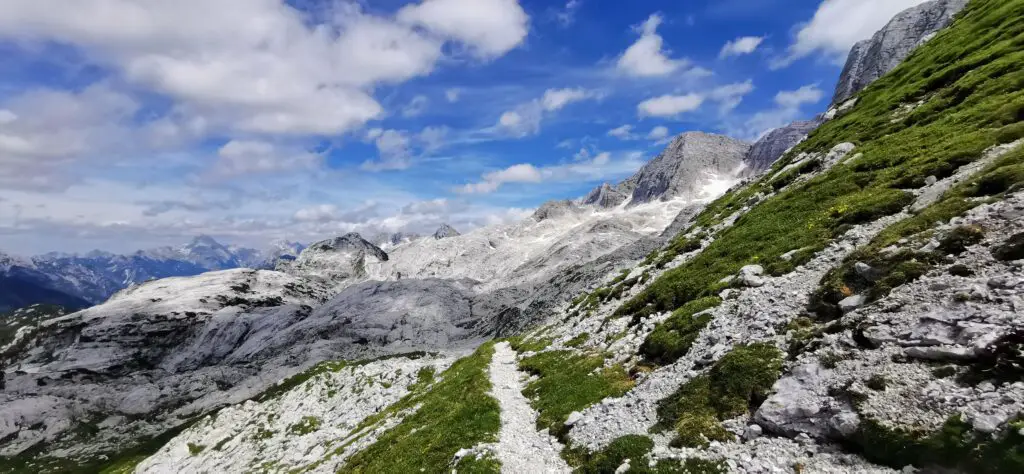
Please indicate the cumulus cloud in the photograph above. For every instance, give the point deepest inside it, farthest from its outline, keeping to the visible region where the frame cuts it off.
(670, 105)
(277, 72)
(585, 168)
(567, 16)
(788, 107)
(658, 133)
(399, 149)
(556, 99)
(416, 106)
(525, 119)
(647, 56)
(490, 28)
(741, 46)
(838, 24)
(730, 96)
(453, 94)
(245, 157)
(624, 132)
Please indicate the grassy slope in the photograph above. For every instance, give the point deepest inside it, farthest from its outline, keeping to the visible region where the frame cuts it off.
(971, 79)
(453, 414)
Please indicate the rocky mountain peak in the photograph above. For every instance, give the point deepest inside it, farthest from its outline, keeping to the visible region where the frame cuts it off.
(606, 196)
(348, 242)
(552, 209)
(775, 143)
(873, 58)
(445, 231)
(686, 165)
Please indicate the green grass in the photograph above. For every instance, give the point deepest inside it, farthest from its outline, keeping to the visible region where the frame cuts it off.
(673, 338)
(637, 449)
(907, 264)
(736, 383)
(326, 367)
(455, 413)
(526, 344)
(485, 464)
(971, 78)
(569, 381)
(578, 341)
(305, 426)
(956, 445)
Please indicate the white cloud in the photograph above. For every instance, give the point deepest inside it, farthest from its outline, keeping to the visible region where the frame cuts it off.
(525, 119)
(788, 107)
(585, 169)
(838, 24)
(398, 149)
(741, 46)
(416, 106)
(277, 72)
(245, 157)
(453, 94)
(393, 152)
(490, 28)
(658, 133)
(320, 213)
(567, 16)
(646, 57)
(730, 96)
(808, 94)
(6, 117)
(670, 105)
(556, 99)
(433, 138)
(624, 132)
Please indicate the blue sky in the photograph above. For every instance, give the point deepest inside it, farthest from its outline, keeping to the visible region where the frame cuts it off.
(127, 124)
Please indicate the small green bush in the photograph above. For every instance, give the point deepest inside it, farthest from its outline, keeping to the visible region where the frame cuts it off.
(673, 338)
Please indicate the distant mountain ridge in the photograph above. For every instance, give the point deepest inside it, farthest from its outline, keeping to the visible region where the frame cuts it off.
(77, 281)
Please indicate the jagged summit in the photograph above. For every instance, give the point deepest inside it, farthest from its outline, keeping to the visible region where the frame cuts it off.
(606, 196)
(775, 143)
(348, 242)
(445, 231)
(686, 166)
(873, 58)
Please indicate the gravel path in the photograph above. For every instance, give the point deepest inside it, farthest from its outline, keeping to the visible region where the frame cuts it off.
(521, 448)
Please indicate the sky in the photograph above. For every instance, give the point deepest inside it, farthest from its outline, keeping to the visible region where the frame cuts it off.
(128, 124)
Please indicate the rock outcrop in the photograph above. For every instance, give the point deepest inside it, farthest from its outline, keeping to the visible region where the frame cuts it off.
(606, 196)
(871, 59)
(445, 231)
(687, 166)
(341, 261)
(772, 146)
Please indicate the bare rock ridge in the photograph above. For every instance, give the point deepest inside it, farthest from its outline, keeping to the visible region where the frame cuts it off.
(689, 162)
(772, 146)
(340, 261)
(868, 61)
(445, 231)
(606, 196)
(683, 169)
(873, 58)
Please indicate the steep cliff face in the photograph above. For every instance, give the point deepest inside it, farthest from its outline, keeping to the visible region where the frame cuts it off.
(873, 58)
(773, 145)
(687, 166)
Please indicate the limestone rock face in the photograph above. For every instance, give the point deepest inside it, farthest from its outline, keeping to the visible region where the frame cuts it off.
(871, 59)
(445, 231)
(687, 166)
(340, 261)
(606, 196)
(772, 146)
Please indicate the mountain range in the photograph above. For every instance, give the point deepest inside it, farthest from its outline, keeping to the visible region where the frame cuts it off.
(77, 281)
(844, 295)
